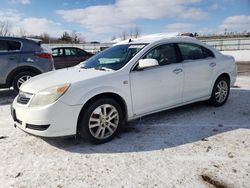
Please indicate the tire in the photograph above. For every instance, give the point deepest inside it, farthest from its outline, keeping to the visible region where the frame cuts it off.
(20, 78)
(97, 127)
(220, 92)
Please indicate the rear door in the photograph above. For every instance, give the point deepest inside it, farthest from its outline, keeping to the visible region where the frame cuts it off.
(9, 57)
(198, 66)
(70, 57)
(82, 55)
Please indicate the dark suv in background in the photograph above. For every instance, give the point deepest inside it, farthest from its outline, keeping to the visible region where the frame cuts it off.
(22, 58)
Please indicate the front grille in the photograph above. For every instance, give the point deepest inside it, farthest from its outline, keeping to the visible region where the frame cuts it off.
(37, 127)
(23, 98)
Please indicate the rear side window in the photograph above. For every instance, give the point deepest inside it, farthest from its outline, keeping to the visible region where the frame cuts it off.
(81, 52)
(194, 51)
(207, 53)
(3, 45)
(6, 45)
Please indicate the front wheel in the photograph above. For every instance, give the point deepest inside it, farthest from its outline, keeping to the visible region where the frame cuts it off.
(220, 92)
(101, 120)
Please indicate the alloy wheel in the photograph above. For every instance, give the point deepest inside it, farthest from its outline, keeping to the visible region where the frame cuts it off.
(221, 91)
(22, 79)
(103, 121)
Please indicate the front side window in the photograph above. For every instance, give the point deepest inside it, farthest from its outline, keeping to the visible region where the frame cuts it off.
(6, 46)
(115, 57)
(194, 51)
(164, 54)
(70, 52)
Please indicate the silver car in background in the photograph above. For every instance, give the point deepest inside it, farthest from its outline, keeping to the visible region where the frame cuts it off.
(21, 59)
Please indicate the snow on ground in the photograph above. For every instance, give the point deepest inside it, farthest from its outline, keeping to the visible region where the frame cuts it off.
(239, 55)
(184, 147)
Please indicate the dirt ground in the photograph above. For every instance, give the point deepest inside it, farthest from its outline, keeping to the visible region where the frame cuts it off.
(192, 146)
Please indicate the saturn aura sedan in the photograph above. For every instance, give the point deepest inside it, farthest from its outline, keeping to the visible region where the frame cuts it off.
(129, 80)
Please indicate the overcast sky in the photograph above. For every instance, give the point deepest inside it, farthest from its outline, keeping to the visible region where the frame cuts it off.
(102, 19)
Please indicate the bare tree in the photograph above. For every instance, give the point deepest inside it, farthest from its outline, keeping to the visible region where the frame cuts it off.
(4, 28)
(124, 35)
(137, 32)
(76, 37)
(113, 38)
(22, 32)
(133, 32)
(45, 37)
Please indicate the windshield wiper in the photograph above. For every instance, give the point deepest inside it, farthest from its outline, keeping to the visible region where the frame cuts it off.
(82, 67)
(102, 68)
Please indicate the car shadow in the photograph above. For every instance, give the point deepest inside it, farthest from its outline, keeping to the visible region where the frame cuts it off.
(170, 128)
(7, 96)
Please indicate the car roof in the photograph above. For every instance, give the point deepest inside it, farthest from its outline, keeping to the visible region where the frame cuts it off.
(66, 47)
(38, 41)
(158, 38)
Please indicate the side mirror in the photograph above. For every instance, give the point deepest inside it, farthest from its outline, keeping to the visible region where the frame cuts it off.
(146, 63)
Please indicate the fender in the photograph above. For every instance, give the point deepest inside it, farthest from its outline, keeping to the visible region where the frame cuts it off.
(108, 89)
(21, 69)
(218, 74)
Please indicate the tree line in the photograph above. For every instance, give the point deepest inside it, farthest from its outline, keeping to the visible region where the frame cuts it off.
(67, 37)
(76, 37)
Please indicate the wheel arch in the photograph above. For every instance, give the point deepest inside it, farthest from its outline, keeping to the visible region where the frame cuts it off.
(111, 95)
(224, 74)
(18, 70)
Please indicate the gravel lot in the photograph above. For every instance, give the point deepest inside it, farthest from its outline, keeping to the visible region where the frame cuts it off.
(192, 146)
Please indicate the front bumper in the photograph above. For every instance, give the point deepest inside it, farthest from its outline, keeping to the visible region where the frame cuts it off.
(57, 119)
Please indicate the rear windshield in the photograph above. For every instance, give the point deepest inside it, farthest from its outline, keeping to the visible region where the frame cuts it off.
(46, 48)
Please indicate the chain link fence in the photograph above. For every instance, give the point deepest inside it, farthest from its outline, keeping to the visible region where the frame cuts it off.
(219, 44)
(229, 44)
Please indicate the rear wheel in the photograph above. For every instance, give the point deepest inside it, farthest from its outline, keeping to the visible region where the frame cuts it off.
(101, 121)
(20, 78)
(220, 92)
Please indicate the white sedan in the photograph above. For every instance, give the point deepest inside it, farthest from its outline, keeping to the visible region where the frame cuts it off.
(127, 81)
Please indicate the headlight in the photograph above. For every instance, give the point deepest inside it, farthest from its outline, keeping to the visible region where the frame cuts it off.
(49, 95)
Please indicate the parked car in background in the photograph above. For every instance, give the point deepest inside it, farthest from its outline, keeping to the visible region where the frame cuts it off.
(21, 59)
(127, 81)
(69, 56)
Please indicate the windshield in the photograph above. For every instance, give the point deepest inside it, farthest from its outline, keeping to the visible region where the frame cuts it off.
(113, 58)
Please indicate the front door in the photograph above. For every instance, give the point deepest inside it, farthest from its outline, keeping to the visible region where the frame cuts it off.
(158, 87)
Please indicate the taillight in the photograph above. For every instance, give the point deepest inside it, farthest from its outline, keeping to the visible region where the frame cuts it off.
(44, 55)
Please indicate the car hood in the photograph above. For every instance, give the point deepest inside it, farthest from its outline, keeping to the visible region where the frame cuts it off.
(59, 77)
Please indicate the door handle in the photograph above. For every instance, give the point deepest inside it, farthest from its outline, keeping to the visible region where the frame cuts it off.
(177, 71)
(212, 64)
(12, 58)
